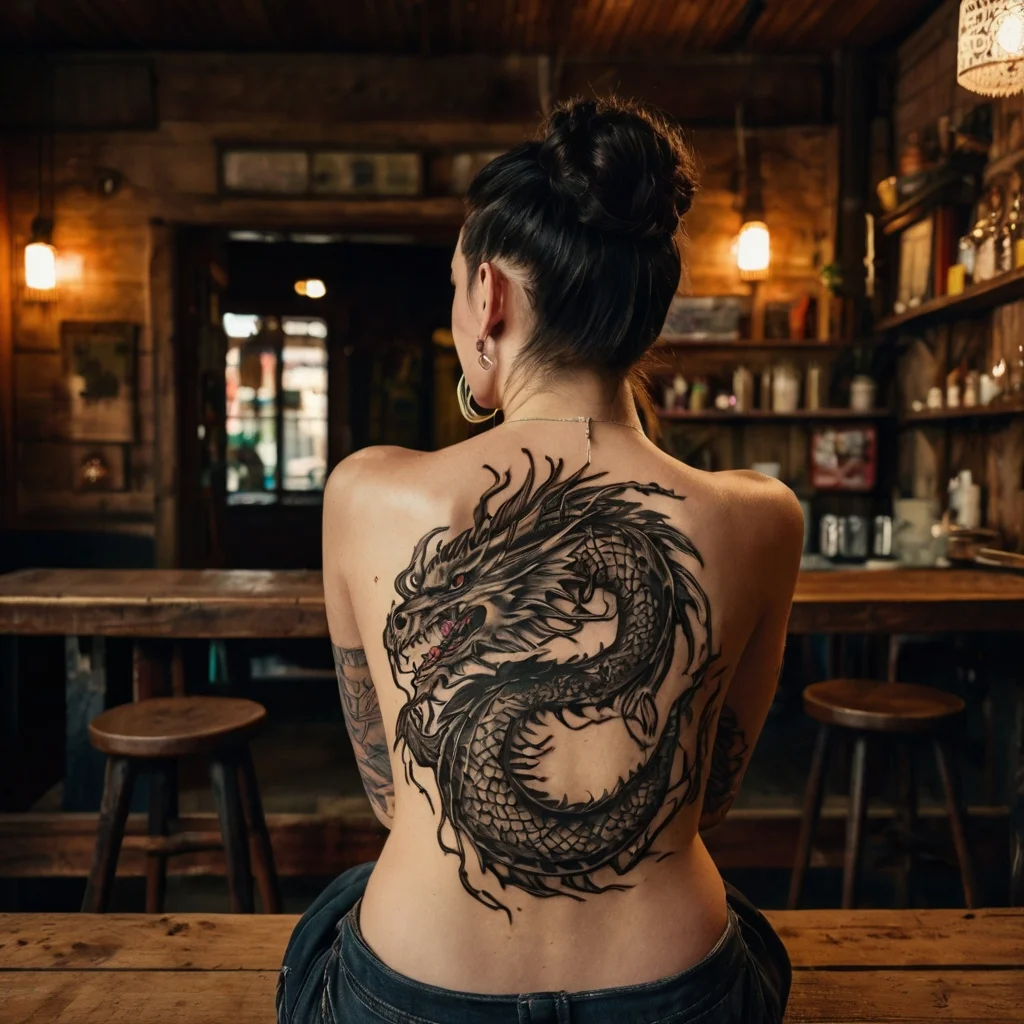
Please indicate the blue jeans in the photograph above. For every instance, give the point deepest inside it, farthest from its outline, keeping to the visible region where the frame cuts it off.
(331, 976)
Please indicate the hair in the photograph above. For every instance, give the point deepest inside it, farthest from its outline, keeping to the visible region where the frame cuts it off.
(589, 215)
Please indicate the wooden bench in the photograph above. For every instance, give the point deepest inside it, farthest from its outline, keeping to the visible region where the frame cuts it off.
(859, 965)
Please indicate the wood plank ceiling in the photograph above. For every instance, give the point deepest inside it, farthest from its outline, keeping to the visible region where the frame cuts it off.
(436, 27)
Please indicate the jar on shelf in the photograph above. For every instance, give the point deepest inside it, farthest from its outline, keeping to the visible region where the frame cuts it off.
(862, 393)
(785, 388)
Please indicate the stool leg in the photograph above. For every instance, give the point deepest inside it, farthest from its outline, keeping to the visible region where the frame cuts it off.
(855, 823)
(908, 814)
(162, 787)
(812, 812)
(224, 780)
(944, 761)
(117, 796)
(262, 851)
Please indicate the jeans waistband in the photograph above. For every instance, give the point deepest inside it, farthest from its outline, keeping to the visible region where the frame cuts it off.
(696, 989)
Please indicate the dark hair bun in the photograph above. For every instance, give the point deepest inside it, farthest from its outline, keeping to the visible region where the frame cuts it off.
(623, 169)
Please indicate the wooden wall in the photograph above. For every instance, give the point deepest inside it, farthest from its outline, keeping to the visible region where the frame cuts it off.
(169, 176)
(927, 89)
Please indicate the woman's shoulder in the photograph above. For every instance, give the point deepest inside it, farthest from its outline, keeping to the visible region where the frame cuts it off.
(375, 482)
(762, 513)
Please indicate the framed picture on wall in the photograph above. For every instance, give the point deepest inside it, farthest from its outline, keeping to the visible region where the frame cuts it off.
(844, 458)
(99, 373)
(304, 171)
(339, 173)
(275, 172)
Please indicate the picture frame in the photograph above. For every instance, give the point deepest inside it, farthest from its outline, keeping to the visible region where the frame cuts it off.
(318, 172)
(844, 458)
(705, 318)
(99, 368)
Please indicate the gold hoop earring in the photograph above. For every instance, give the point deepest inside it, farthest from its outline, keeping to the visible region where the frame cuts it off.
(465, 397)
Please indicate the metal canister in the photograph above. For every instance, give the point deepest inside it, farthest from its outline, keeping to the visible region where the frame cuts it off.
(881, 544)
(828, 536)
(853, 537)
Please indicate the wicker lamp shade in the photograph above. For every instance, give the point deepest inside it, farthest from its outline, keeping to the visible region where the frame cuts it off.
(990, 51)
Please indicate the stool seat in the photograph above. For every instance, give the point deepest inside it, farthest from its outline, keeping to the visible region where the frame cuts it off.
(880, 707)
(167, 727)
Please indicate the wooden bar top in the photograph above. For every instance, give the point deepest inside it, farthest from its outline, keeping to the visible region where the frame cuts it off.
(184, 603)
(877, 966)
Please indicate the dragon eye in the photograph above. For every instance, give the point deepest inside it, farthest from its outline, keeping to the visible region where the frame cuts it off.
(457, 581)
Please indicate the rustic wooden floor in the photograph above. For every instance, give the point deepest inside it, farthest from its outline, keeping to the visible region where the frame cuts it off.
(870, 965)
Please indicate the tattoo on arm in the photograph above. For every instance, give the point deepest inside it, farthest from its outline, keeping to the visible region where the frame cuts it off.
(365, 726)
(728, 757)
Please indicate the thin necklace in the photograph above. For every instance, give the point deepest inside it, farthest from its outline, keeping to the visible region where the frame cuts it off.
(576, 419)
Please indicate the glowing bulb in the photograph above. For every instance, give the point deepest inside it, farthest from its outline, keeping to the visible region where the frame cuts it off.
(40, 266)
(753, 250)
(313, 288)
(1010, 33)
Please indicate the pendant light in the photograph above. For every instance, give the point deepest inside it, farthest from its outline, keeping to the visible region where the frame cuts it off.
(40, 260)
(40, 255)
(753, 244)
(990, 50)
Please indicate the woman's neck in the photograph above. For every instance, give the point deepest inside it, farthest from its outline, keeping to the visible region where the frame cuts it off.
(582, 394)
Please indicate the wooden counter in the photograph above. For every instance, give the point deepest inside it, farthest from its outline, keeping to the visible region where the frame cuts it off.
(156, 608)
(179, 604)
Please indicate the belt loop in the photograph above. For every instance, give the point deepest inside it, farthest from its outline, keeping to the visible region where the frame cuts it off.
(563, 1008)
(523, 1010)
(544, 1008)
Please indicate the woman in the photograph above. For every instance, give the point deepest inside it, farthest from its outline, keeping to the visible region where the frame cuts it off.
(556, 645)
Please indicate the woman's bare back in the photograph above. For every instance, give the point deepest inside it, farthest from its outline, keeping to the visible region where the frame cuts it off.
(572, 663)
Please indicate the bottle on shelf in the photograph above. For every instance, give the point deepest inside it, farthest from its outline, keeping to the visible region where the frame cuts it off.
(1010, 232)
(785, 388)
(699, 395)
(766, 390)
(743, 388)
(812, 388)
(985, 265)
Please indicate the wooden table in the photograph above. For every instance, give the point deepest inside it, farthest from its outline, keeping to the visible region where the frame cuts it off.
(884, 966)
(154, 607)
(180, 603)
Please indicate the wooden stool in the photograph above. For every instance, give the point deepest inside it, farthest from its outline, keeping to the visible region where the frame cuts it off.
(148, 736)
(906, 712)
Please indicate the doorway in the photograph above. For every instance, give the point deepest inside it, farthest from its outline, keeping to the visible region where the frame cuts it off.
(293, 350)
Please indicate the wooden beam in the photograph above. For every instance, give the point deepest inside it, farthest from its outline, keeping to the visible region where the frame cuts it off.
(7, 490)
(702, 90)
(160, 308)
(39, 845)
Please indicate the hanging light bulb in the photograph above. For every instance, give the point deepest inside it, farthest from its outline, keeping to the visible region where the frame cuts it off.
(311, 288)
(754, 250)
(40, 258)
(990, 51)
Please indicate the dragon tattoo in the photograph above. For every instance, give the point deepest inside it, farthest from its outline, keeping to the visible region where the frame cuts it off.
(474, 645)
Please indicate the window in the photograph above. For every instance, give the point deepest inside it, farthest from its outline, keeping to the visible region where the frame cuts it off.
(275, 381)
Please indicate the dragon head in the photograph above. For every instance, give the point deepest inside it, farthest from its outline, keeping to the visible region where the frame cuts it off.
(497, 590)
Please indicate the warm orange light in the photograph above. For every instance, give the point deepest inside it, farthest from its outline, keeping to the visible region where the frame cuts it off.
(753, 250)
(40, 266)
(312, 288)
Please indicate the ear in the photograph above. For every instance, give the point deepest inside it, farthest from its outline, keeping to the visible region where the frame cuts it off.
(492, 297)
